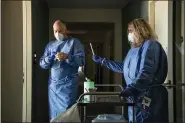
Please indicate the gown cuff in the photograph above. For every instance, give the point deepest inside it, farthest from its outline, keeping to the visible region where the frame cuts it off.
(102, 61)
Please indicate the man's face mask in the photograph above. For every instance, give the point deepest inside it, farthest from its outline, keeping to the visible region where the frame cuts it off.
(59, 36)
(131, 37)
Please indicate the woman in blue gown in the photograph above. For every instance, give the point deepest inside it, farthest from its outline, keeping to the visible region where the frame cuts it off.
(145, 70)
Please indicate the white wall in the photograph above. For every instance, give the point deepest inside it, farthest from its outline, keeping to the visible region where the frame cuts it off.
(93, 15)
(12, 63)
(161, 22)
(164, 30)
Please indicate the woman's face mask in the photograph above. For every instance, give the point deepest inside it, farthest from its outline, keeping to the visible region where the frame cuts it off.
(131, 37)
(59, 36)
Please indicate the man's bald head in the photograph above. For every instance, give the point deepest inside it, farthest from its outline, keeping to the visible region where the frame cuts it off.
(59, 27)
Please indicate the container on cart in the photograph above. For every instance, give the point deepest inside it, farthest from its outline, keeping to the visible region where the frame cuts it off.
(109, 118)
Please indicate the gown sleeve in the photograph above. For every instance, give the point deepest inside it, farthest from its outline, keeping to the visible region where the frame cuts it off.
(113, 65)
(47, 58)
(78, 57)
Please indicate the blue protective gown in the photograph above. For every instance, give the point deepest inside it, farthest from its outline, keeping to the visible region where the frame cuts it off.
(62, 88)
(145, 69)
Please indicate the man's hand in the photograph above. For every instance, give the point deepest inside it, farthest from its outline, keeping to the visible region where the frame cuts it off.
(61, 56)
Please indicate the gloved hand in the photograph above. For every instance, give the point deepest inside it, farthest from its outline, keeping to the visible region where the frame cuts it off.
(97, 59)
(50, 58)
(53, 54)
(129, 91)
(126, 92)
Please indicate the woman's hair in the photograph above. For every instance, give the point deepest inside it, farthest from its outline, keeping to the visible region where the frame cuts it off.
(142, 31)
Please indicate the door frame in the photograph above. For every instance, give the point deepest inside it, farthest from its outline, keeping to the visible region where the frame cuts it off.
(151, 13)
(27, 61)
(183, 90)
(151, 18)
(171, 61)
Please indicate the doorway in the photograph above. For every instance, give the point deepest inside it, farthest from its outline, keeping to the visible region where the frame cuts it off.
(40, 38)
(171, 38)
(178, 49)
(100, 34)
(37, 27)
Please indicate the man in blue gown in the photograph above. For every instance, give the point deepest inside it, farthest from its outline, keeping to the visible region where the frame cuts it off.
(63, 57)
(145, 69)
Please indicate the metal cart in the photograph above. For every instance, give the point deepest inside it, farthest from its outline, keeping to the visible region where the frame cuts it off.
(121, 103)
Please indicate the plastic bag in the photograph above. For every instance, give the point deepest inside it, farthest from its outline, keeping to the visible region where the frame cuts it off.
(109, 118)
(70, 115)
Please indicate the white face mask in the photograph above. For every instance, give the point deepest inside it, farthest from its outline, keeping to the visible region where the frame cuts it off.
(131, 37)
(59, 36)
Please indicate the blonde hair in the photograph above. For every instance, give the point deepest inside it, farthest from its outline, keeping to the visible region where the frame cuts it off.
(142, 31)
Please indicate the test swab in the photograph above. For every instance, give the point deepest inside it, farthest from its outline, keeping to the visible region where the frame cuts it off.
(92, 49)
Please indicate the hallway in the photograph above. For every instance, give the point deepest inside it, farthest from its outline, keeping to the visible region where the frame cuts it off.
(27, 28)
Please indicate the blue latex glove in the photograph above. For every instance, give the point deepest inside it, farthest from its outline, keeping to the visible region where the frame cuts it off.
(50, 58)
(53, 54)
(97, 59)
(126, 92)
(129, 91)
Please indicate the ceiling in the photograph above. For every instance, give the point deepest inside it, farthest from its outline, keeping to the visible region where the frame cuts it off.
(88, 4)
